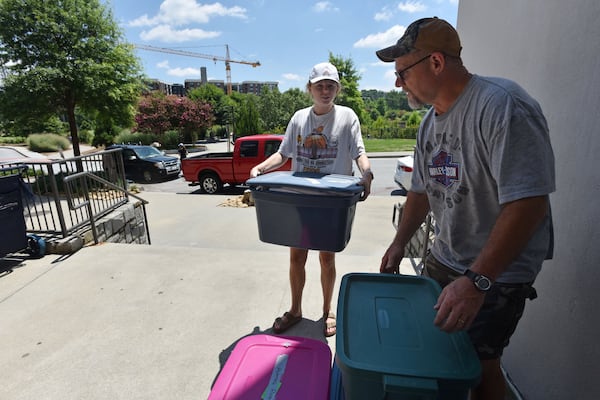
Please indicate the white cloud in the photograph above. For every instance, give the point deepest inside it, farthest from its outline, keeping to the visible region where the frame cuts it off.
(384, 15)
(179, 72)
(167, 34)
(183, 12)
(412, 6)
(163, 64)
(184, 72)
(292, 77)
(323, 6)
(381, 39)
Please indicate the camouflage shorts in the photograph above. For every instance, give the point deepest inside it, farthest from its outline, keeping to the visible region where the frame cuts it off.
(497, 320)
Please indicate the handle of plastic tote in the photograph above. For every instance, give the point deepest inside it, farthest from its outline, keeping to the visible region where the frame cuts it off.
(410, 385)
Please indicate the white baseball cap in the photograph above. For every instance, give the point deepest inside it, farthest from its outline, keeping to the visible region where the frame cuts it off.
(324, 71)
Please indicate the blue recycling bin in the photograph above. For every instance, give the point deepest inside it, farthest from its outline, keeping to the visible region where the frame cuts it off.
(13, 232)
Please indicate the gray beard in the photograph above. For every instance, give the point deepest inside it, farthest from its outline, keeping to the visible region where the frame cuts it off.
(414, 103)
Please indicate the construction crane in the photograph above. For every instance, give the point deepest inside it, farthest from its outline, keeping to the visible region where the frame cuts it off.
(225, 59)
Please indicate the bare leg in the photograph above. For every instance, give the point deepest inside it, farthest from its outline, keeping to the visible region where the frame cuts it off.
(493, 385)
(297, 278)
(328, 274)
(327, 260)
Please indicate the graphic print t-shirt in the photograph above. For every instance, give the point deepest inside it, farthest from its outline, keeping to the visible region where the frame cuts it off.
(325, 143)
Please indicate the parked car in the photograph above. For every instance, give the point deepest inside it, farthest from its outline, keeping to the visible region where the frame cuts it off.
(404, 169)
(11, 156)
(213, 170)
(147, 162)
(20, 155)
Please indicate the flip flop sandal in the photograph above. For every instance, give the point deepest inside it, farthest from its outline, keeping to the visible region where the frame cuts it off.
(329, 327)
(285, 322)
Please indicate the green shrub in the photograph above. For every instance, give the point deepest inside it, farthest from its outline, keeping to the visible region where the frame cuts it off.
(86, 136)
(170, 140)
(409, 133)
(167, 140)
(46, 142)
(134, 138)
(12, 139)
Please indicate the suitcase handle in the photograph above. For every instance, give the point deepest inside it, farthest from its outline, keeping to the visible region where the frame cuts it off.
(410, 385)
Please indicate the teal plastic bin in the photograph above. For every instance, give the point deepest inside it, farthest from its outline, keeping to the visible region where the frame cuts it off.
(387, 346)
(305, 210)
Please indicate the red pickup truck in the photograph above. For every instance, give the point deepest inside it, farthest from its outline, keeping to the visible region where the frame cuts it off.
(213, 170)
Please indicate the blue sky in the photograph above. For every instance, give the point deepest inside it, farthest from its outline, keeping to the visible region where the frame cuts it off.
(286, 36)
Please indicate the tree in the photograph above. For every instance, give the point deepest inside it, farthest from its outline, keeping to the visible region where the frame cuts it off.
(248, 121)
(293, 100)
(270, 109)
(64, 54)
(350, 96)
(158, 113)
(152, 115)
(396, 100)
(212, 95)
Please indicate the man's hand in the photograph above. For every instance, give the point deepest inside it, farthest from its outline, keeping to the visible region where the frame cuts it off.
(458, 305)
(390, 262)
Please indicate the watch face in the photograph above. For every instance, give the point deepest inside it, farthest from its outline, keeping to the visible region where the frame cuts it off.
(483, 283)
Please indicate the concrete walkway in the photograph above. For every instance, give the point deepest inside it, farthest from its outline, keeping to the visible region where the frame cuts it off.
(158, 322)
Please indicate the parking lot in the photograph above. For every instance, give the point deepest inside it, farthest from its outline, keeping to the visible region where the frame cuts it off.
(383, 184)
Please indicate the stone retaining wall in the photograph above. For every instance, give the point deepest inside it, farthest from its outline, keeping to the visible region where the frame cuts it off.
(124, 225)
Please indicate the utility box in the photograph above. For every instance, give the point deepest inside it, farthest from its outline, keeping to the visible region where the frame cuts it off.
(275, 367)
(305, 210)
(388, 347)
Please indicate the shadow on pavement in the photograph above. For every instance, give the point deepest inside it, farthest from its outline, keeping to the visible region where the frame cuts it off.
(227, 190)
(306, 328)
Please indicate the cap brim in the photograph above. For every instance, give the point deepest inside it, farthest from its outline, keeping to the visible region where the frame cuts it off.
(322, 78)
(389, 54)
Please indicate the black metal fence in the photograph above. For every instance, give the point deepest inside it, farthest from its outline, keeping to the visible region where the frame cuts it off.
(53, 198)
(419, 244)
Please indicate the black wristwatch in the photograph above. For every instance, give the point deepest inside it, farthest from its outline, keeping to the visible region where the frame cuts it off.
(481, 282)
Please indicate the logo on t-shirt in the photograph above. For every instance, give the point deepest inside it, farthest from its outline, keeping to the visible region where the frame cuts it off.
(316, 152)
(442, 169)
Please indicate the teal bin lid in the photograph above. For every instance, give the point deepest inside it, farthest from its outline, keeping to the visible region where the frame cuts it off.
(385, 325)
(307, 183)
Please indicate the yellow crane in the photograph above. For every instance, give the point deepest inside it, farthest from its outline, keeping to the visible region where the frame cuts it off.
(225, 59)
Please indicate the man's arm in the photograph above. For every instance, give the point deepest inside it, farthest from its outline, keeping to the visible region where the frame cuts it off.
(413, 214)
(514, 227)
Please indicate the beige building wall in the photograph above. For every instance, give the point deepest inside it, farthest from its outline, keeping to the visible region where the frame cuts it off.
(552, 48)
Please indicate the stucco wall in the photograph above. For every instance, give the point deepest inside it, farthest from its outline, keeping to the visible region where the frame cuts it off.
(551, 48)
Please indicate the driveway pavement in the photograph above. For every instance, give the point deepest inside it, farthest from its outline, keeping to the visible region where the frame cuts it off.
(116, 321)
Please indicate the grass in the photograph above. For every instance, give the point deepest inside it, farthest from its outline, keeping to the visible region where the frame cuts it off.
(386, 145)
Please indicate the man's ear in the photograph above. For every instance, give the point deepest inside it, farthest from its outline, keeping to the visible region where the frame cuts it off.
(438, 62)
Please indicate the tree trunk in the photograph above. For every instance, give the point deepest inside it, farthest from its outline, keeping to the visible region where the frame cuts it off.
(73, 129)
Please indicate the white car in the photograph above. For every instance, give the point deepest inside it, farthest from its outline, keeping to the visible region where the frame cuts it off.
(16, 154)
(404, 169)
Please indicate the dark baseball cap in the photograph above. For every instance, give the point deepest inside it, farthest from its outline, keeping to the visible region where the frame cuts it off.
(428, 34)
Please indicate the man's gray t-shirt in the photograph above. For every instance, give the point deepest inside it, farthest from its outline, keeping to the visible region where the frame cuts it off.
(490, 148)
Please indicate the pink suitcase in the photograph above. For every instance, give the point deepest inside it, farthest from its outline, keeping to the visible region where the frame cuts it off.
(264, 367)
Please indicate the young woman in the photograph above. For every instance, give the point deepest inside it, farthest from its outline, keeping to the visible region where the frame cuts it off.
(322, 138)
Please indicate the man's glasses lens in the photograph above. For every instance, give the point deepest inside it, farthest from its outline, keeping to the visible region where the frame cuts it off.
(400, 74)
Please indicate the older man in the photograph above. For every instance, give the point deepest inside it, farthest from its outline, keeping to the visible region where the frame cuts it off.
(484, 167)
